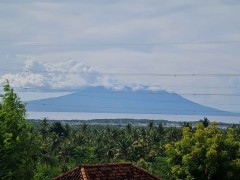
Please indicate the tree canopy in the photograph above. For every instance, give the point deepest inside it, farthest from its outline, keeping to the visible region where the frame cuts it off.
(206, 153)
(17, 142)
(49, 148)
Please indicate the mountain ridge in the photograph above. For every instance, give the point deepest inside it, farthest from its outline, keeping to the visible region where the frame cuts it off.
(102, 100)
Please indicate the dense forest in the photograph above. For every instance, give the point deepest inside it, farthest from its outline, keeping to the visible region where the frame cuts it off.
(45, 149)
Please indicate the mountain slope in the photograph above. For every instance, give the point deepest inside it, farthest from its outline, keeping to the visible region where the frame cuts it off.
(100, 99)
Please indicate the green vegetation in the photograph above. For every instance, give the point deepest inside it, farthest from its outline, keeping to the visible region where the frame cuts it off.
(18, 144)
(49, 148)
(205, 153)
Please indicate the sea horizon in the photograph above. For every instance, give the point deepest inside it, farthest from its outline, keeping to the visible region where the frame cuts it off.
(89, 116)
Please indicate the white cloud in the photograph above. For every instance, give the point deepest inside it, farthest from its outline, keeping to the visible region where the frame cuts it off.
(95, 31)
(35, 66)
(67, 76)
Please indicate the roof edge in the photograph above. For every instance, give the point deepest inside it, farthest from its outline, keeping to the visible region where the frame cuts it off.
(145, 171)
(68, 172)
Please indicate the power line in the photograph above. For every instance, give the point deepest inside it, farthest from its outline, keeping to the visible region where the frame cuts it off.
(129, 85)
(72, 44)
(134, 92)
(124, 85)
(99, 74)
(207, 87)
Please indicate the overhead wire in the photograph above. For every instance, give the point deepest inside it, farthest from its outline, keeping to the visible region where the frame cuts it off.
(140, 92)
(125, 92)
(64, 44)
(99, 74)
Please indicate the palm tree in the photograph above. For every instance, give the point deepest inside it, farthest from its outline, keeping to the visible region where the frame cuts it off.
(205, 122)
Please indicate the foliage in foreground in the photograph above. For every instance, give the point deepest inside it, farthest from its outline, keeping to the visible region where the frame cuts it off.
(17, 142)
(206, 153)
(49, 149)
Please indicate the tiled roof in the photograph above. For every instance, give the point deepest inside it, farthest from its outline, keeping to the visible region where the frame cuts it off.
(108, 171)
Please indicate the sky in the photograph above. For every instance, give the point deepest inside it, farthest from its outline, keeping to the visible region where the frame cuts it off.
(49, 48)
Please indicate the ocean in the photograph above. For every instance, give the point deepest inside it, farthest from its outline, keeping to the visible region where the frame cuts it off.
(88, 116)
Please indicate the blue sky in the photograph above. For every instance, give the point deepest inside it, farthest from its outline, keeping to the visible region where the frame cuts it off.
(83, 42)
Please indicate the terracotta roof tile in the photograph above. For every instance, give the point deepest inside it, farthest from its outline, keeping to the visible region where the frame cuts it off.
(108, 171)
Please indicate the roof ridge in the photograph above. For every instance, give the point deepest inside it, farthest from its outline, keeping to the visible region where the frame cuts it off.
(83, 172)
(110, 170)
(68, 172)
(106, 164)
(145, 171)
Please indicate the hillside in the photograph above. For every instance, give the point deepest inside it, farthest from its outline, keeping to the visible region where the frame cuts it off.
(100, 99)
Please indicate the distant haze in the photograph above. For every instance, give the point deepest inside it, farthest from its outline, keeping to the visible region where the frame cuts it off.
(144, 101)
(48, 47)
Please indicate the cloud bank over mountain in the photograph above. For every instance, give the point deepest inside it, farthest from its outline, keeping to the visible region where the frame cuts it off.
(69, 75)
(73, 75)
(86, 43)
